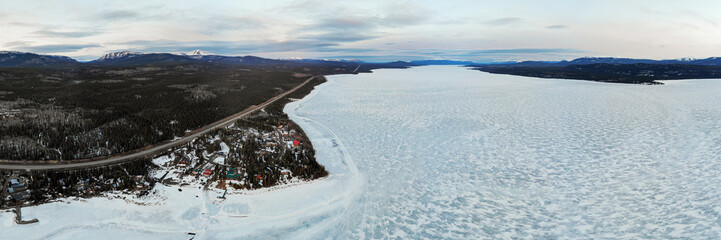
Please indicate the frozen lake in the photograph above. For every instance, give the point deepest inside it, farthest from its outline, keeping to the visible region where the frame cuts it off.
(445, 152)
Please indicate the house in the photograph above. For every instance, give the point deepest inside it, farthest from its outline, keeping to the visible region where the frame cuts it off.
(231, 175)
(207, 172)
(18, 197)
(183, 163)
(21, 196)
(285, 172)
(18, 187)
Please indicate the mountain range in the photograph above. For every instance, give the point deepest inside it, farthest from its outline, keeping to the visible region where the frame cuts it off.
(712, 61)
(22, 59)
(128, 58)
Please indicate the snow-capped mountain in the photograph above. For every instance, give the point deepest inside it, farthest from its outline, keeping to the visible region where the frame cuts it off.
(118, 55)
(686, 59)
(199, 53)
(10, 52)
(125, 58)
(321, 60)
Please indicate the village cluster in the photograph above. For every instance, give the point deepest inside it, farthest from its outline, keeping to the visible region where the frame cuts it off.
(15, 189)
(18, 188)
(246, 155)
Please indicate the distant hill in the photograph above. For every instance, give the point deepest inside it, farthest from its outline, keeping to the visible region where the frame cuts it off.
(135, 58)
(244, 60)
(21, 59)
(713, 61)
(644, 73)
(127, 58)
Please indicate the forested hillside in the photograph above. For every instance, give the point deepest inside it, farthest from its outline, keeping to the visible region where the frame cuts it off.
(91, 110)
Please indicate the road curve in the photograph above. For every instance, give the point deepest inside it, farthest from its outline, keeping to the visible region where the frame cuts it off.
(28, 165)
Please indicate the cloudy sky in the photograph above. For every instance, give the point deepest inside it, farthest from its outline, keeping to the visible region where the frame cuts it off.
(369, 30)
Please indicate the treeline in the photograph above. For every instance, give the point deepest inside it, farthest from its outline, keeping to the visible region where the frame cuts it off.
(142, 106)
(605, 72)
(129, 107)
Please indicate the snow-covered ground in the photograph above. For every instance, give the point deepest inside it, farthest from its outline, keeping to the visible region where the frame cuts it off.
(444, 152)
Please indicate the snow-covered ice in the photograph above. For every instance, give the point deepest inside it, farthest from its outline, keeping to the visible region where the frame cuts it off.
(445, 152)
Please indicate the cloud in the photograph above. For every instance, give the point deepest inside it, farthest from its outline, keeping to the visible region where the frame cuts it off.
(54, 48)
(295, 46)
(337, 30)
(221, 24)
(514, 54)
(337, 37)
(75, 34)
(228, 47)
(697, 16)
(557, 26)
(344, 24)
(480, 56)
(118, 15)
(17, 43)
(404, 14)
(346, 50)
(526, 51)
(378, 58)
(354, 28)
(23, 24)
(503, 21)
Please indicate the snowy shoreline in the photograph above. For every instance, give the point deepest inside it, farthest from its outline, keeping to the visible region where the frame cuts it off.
(172, 214)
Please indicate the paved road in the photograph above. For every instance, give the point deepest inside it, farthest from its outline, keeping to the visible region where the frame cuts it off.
(29, 166)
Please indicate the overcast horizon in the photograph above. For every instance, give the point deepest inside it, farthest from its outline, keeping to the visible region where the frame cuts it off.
(368, 31)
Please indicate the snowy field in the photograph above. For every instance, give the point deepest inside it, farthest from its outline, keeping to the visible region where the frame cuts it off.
(445, 152)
